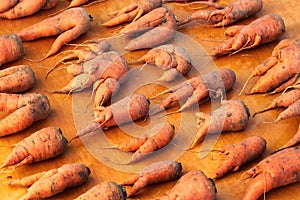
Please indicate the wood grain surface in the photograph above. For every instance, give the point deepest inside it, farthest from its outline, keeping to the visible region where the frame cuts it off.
(71, 112)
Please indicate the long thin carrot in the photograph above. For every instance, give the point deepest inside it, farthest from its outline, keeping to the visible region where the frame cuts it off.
(292, 142)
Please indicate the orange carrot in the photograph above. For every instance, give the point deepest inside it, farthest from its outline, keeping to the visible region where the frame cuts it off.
(104, 90)
(159, 24)
(292, 111)
(105, 190)
(42, 145)
(26, 7)
(70, 24)
(240, 154)
(194, 184)
(133, 11)
(287, 64)
(261, 31)
(13, 46)
(5, 5)
(293, 141)
(232, 116)
(126, 110)
(48, 183)
(197, 89)
(168, 57)
(282, 101)
(279, 169)
(16, 79)
(155, 173)
(23, 110)
(229, 14)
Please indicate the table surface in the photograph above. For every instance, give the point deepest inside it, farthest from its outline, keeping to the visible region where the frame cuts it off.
(70, 112)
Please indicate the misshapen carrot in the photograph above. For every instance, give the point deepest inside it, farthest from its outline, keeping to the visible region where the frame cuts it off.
(16, 79)
(279, 169)
(240, 154)
(192, 185)
(12, 48)
(70, 24)
(105, 190)
(41, 145)
(232, 116)
(292, 111)
(155, 173)
(261, 31)
(23, 110)
(48, 183)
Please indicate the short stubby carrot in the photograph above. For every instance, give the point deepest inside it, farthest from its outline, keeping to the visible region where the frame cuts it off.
(23, 110)
(26, 7)
(49, 183)
(279, 169)
(192, 185)
(12, 48)
(232, 116)
(44, 144)
(69, 25)
(161, 171)
(261, 31)
(105, 190)
(239, 154)
(16, 79)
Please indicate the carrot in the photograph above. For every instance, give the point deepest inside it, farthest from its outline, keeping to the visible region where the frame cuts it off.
(105, 65)
(104, 90)
(48, 183)
(42, 145)
(240, 154)
(133, 11)
(292, 142)
(227, 15)
(155, 173)
(262, 30)
(286, 56)
(16, 79)
(232, 116)
(292, 111)
(194, 184)
(279, 169)
(282, 101)
(126, 110)
(13, 46)
(159, 24)
(168, 57)
(5, 5)
(197, 89)
(26, 7)
(105, 190)
(70, 24)
(150, 144)
(23, 110)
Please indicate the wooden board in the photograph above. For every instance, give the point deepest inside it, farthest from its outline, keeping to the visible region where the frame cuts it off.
(67, 111)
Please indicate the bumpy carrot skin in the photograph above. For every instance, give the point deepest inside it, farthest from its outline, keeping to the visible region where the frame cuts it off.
(240, 154)
(44, 144)
(261, 31)
(54, 181)
(282, 101)
(23, 109)
(159, 24)
(13, 46)
(191, 185)
(105, 190)
(105, 65)
(232, 116)
(227, 15)
(26, 7)
(287, 64)
(5, 5)
(133, 11)
(104, 90)
(69, 25)
(155, 173)
(279, 169)
(16, 79)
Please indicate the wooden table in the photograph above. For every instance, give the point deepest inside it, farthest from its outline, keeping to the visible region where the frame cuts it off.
(68, 115)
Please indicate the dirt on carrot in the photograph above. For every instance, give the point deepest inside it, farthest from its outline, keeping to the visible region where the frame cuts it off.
(12, 48)
(23, 110)
(48, 183)
(44, 144)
